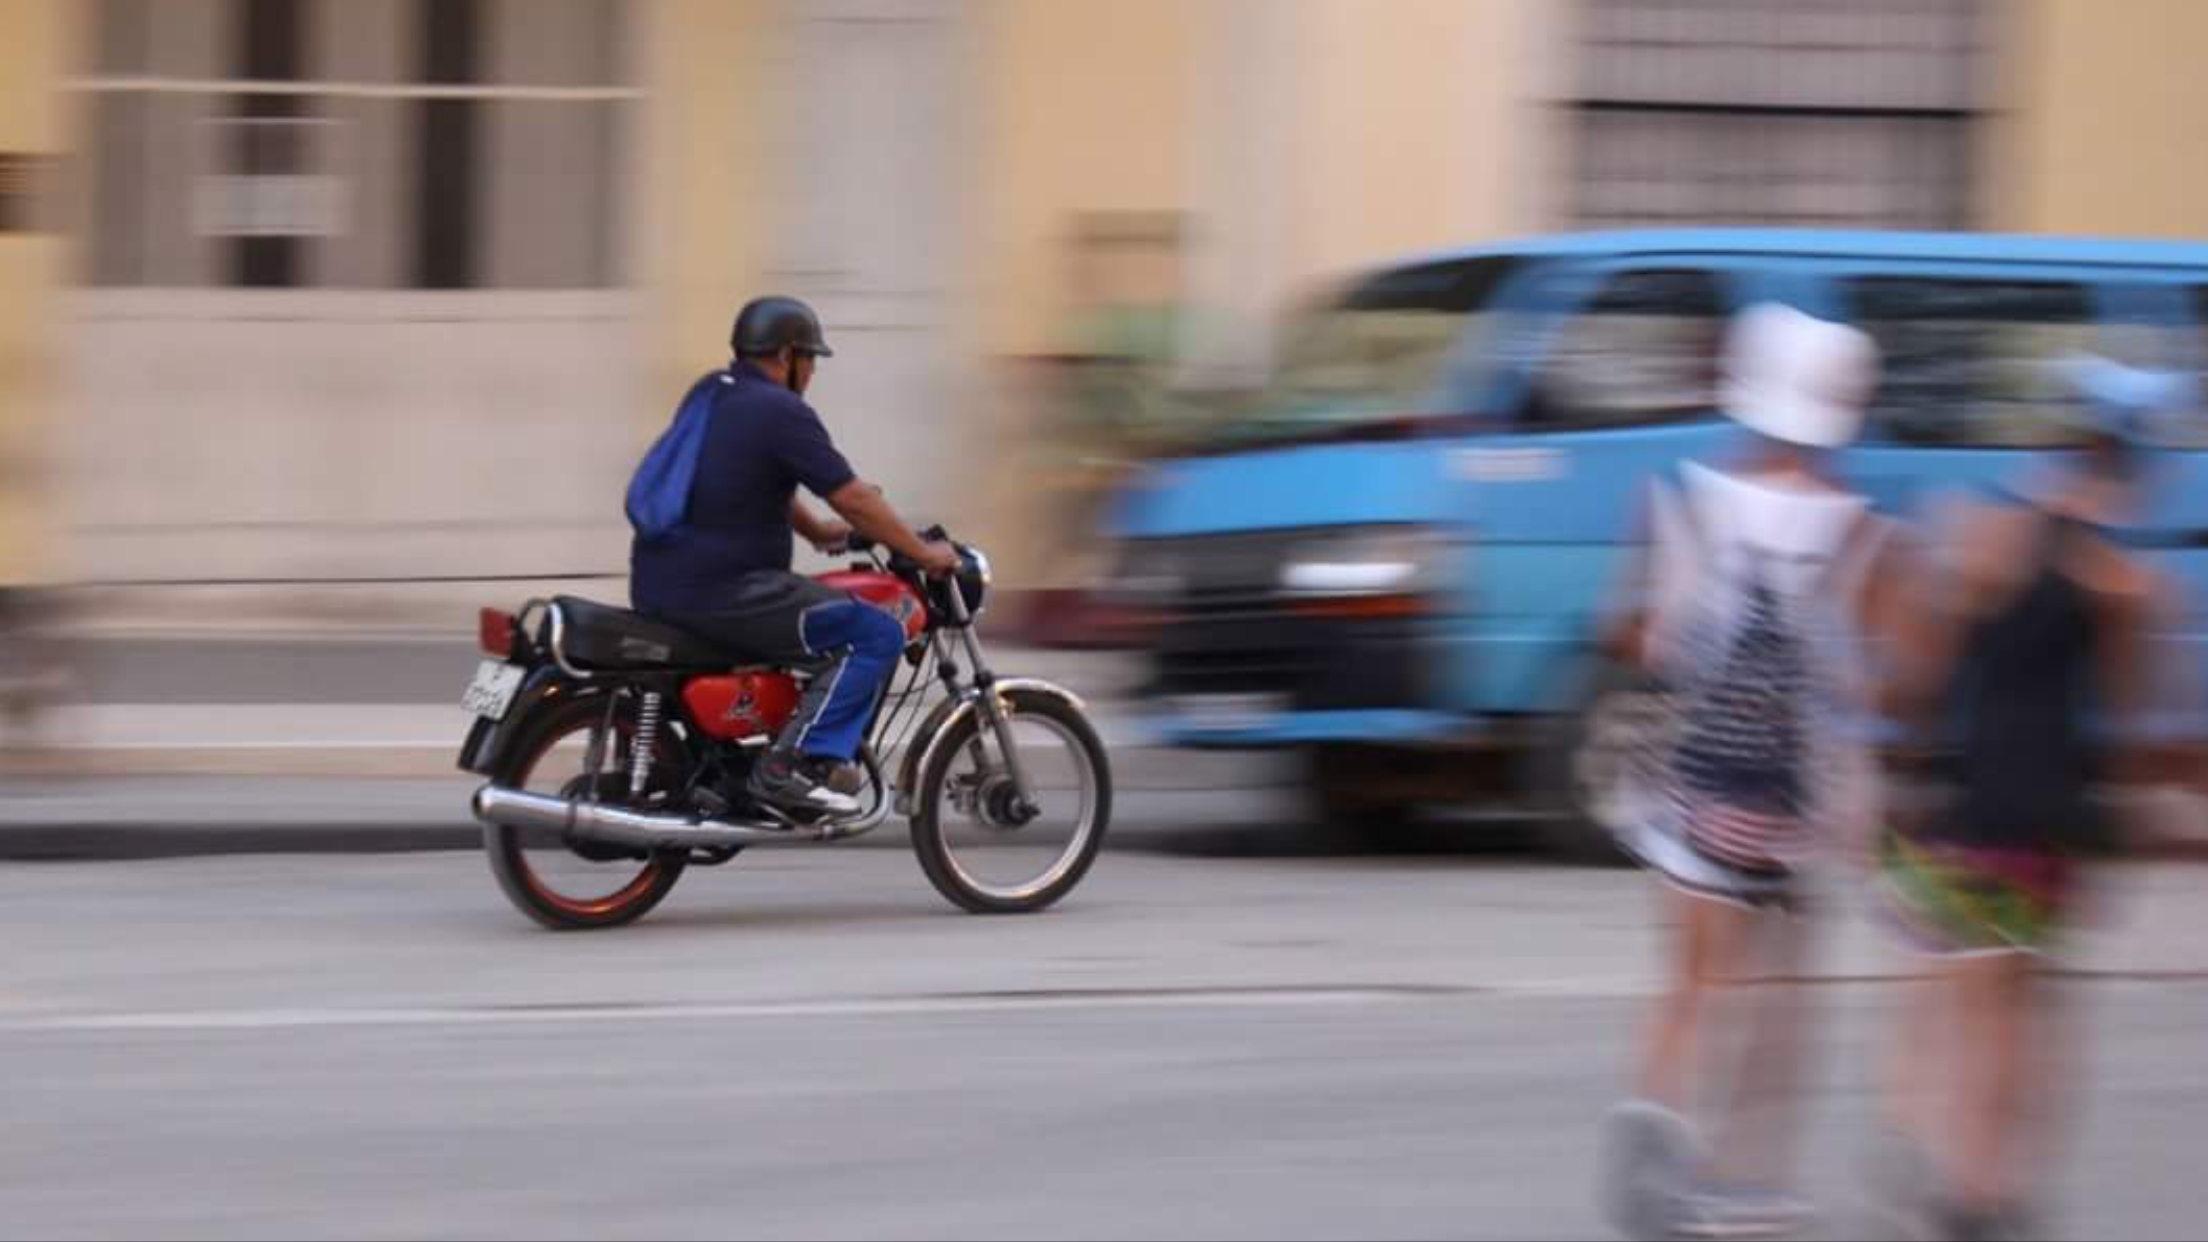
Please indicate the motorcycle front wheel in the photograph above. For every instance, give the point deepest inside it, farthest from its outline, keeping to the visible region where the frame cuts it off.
(980, 848)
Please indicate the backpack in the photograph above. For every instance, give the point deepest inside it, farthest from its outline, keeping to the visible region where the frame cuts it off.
(1741, 737)
(658, 502)
(1750, 754)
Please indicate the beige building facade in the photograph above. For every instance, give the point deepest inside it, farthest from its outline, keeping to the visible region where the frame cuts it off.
(366, 289)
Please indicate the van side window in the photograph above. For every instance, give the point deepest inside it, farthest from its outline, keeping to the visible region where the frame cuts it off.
(1972, 364)
(1642, 351)
(2200, 329)
(2192, 432)
(2152, 342)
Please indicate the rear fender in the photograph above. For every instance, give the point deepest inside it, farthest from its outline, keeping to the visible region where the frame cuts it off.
(489, 741)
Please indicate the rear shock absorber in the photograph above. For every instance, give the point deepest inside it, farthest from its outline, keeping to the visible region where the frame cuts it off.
(646, 746)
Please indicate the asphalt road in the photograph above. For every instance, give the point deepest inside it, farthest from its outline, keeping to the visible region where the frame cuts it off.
(1277, 1044)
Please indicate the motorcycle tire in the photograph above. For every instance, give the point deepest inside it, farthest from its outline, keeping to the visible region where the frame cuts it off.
(539, 896)
(939, 859)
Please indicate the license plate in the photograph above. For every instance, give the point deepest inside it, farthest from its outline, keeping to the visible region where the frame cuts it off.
(491, 694)
(1227, 711)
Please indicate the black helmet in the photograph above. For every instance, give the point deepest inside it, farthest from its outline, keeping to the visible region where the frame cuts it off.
(772, 324)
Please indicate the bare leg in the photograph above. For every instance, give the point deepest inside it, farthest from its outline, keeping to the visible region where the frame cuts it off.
(1673, 1049)
(1756, 1137)
(2050, 1099)
(1715, 939)
(1994, 992)
(1921, 1062)
(1653, 1160)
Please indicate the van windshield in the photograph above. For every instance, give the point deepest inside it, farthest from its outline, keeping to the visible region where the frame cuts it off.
(1372, 354)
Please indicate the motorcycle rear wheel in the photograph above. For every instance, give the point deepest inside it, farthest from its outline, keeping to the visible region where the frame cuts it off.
(569, 886)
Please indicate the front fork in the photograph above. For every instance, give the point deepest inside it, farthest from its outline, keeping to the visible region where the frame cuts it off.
(992, 706)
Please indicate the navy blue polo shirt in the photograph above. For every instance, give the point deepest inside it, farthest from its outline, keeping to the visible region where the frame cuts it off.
(762, 444)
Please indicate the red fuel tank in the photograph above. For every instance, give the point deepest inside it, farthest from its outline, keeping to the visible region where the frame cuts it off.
(741, 705)
(887, 592)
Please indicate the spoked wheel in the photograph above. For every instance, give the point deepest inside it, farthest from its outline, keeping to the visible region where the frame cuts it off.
(567, 884)
(979, 845)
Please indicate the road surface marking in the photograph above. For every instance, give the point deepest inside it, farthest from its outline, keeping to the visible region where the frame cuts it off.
(957, 1003)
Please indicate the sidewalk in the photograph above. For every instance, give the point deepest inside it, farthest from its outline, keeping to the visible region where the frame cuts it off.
(281, 739)
(364, 702)
(136, 817)
(298, 739)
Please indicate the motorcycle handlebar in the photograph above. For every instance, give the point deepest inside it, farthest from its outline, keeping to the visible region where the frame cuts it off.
(861, 545)
(896, 562)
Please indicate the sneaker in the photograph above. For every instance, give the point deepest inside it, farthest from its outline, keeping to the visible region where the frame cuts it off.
(844, 778)
(2008, 1224)
(1904, 1187)
(791, 785)
(1712, 1211)
(1649, 1158)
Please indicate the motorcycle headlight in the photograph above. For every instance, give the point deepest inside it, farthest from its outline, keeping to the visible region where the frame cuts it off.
(974, 579)
(1398, 560)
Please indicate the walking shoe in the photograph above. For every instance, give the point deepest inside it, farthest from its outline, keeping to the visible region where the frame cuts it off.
(1715, 1211)
(791, 784)
(2005, 1224)
(1904, 1187)
(1649, 1158)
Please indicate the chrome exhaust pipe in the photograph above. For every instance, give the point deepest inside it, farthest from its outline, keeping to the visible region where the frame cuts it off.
(592, 821)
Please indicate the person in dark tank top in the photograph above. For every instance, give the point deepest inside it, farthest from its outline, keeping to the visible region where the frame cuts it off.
(2031, 668)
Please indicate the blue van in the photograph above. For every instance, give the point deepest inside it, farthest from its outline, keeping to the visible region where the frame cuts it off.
(1396, 556)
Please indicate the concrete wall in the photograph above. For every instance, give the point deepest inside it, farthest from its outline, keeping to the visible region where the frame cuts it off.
(357, 430)
(702, 236)
(323, 434)
(1332, 134)
(34, 42)
(2107, 123)
(1080, 110)
(811, 147)
(1309, 136)
(918, 168)
(1270, 141)
(1413, 132)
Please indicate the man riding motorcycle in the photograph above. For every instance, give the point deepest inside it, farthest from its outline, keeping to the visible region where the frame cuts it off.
(726, 574)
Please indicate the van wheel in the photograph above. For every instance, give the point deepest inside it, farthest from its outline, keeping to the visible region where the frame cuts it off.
(1360, 788)
(1588, 761)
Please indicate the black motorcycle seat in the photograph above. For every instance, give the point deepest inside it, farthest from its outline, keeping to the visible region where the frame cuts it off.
(601, 637)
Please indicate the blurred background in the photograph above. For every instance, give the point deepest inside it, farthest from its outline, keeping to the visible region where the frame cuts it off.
(324, 322)
(320, 308)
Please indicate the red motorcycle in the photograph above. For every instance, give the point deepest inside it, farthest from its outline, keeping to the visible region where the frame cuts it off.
(618, 751)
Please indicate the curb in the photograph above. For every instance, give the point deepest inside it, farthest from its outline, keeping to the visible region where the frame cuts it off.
(141, 842)
(125, 842)
(1151, 768)
(125, 837)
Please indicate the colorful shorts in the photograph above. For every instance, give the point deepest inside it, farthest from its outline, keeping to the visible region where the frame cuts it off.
(1952, 899)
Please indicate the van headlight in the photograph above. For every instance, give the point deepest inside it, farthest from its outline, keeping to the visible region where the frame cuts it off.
(1382, 560)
